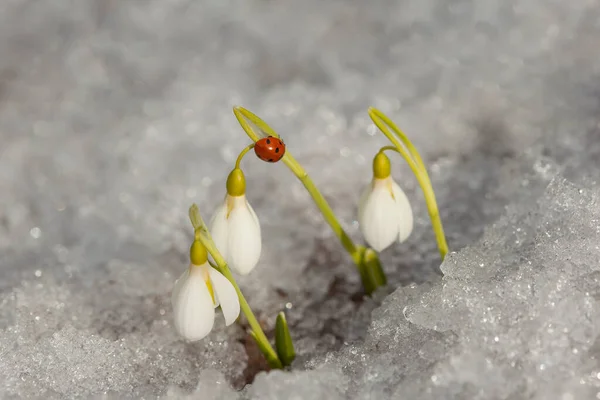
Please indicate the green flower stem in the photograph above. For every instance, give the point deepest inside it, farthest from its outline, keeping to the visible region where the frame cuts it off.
(324, 207)
(202, 234)
(418, 168)
(355, 251)
(242, 154)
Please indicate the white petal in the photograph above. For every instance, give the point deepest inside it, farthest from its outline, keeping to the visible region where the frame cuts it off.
(226, 295)
(405, 220)
(193, 310)
(177, 286)
(244, 244)
(254, 216)
(379, 216)
(219, 229)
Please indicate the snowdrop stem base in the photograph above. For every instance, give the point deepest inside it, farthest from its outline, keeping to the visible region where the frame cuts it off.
(243, 116)
(417, 166)
(371, 272)
(201, 233)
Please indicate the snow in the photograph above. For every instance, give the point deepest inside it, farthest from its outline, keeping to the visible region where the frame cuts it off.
(116, 116)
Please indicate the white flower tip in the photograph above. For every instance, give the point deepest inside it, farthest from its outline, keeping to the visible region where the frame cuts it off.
(385, 214)
(378, 215)
(237, 234)
(379, 245)
(193, 305)
(193, 309)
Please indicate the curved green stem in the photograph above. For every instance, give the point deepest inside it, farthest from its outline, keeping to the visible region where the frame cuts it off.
(392, 148)
(242, 154)
(243, 116)
(417, 166)
(202, 234)
(324, 207)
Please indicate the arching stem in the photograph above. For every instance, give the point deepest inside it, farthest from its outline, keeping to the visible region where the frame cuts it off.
(242, 154)
(243, 116)
(417, 166)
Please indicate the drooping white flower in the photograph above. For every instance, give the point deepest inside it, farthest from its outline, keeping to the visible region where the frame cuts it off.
(196, 294)
(235, 228)
(384, 212)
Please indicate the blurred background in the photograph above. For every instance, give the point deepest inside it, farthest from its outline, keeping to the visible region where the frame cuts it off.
(115, 116)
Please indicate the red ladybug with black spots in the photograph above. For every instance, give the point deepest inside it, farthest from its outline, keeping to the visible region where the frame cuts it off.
(269, 149)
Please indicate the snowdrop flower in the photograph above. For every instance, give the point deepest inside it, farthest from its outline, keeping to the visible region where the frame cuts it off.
(235, 228)
(384, 213)
(196, 294)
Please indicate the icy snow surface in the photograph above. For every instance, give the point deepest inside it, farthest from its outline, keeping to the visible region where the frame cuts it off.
(116, 115)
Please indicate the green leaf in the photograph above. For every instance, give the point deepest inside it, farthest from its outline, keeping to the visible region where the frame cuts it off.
(283, 341)
(273, 362)
(246, 118)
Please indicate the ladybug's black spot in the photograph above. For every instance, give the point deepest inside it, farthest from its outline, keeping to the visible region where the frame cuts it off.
(270, 160)
(276, 149)
(268, 141)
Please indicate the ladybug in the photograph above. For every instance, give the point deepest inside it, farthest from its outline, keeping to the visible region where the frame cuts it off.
(269, 149)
